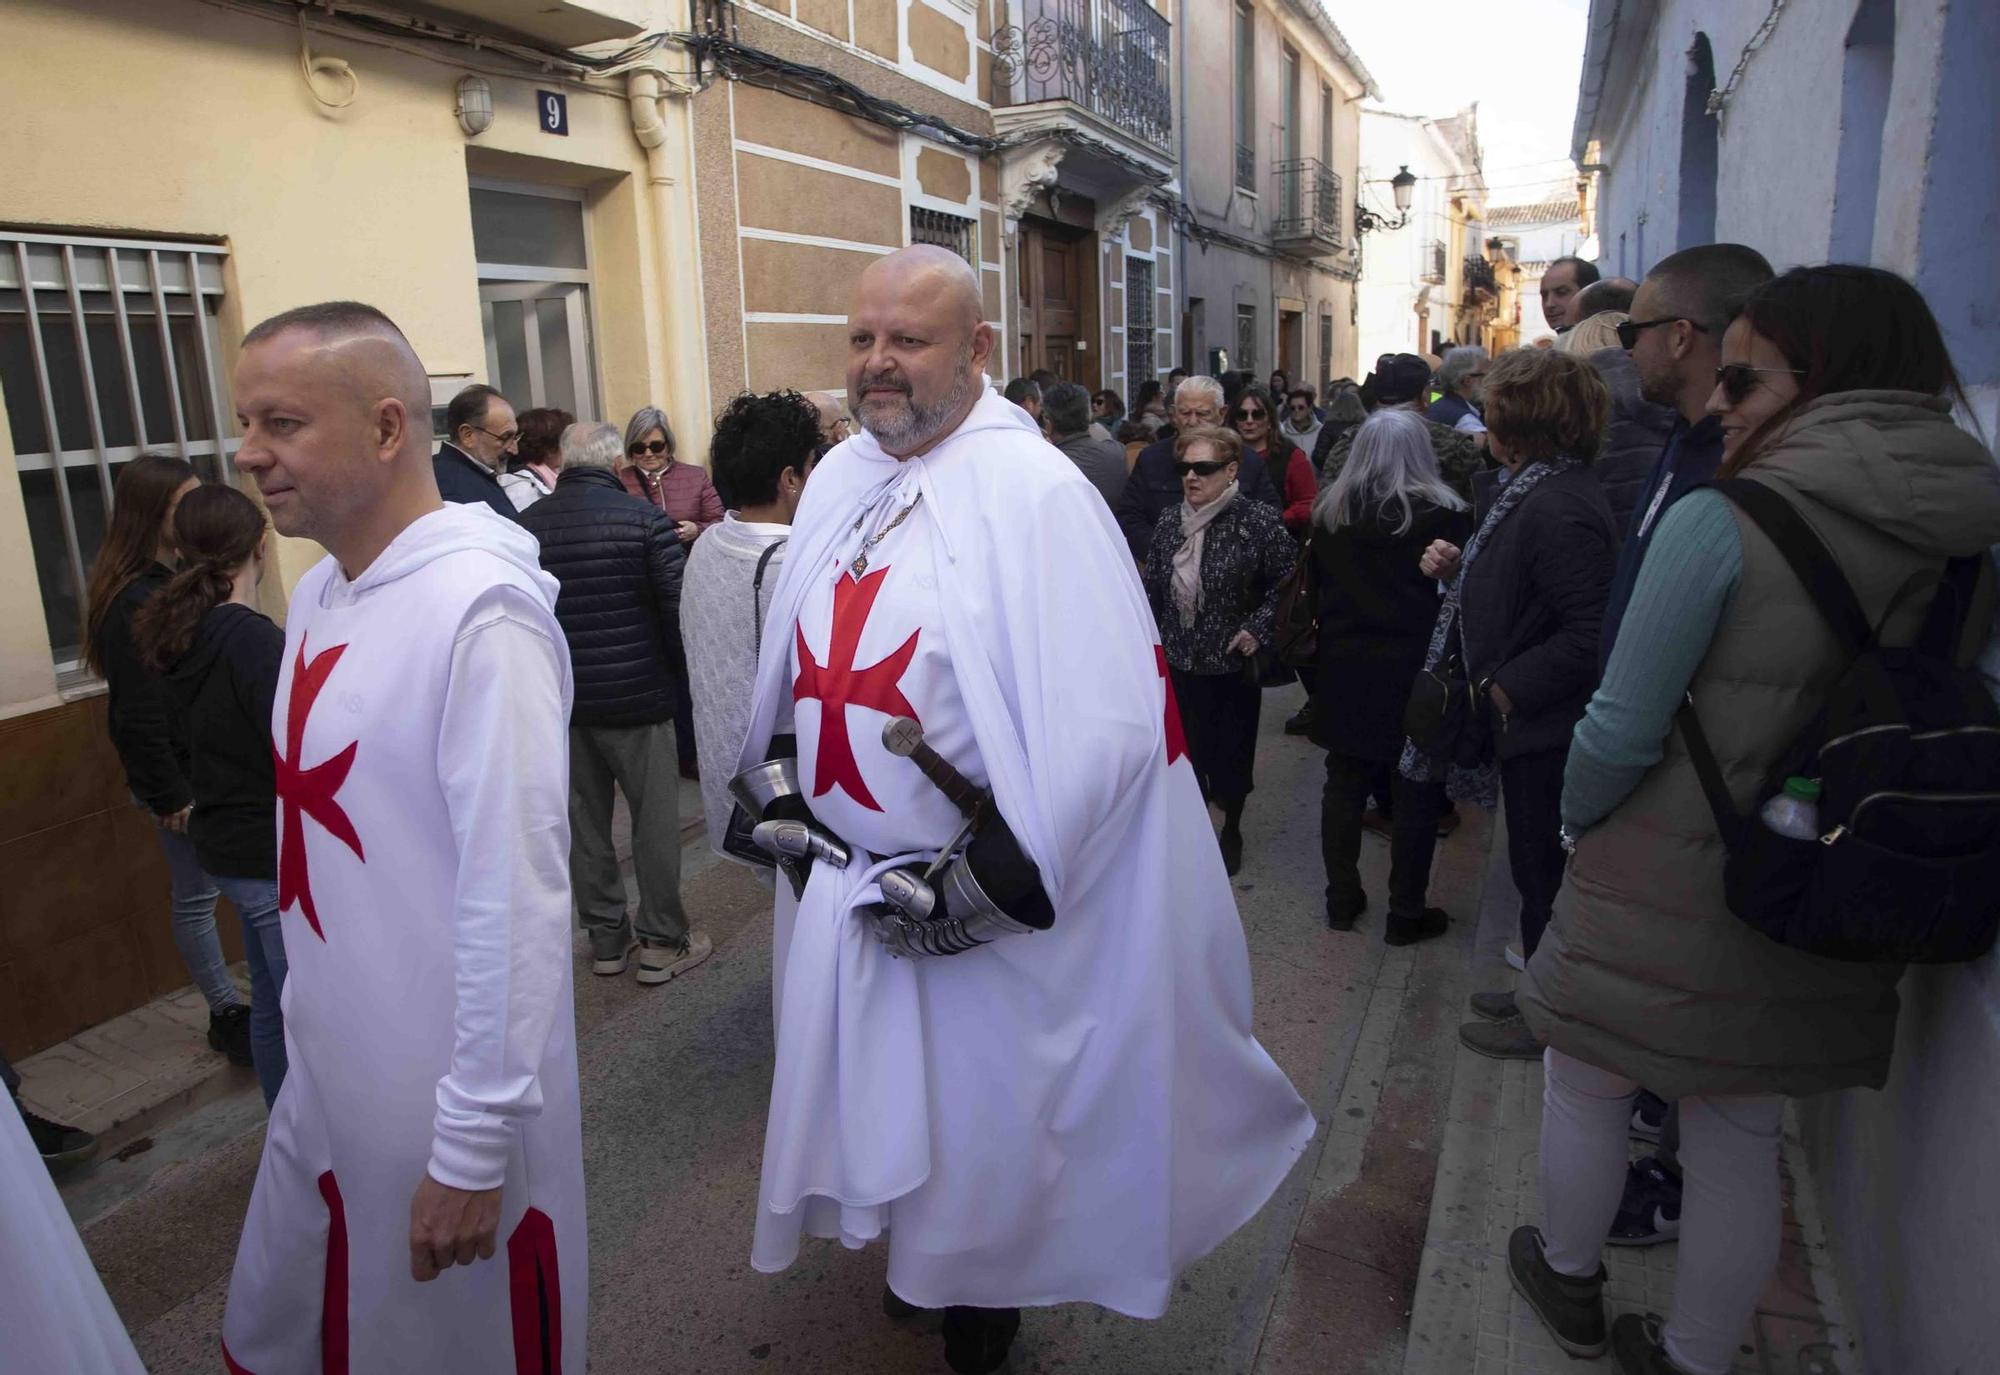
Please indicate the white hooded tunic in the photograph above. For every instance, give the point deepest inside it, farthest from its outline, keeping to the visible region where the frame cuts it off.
(422, 771)
(1075, 1114)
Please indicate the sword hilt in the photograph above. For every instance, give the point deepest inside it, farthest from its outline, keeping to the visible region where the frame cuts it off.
(904, 737)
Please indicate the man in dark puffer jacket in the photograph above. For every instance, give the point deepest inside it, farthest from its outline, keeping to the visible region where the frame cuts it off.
(619, 561)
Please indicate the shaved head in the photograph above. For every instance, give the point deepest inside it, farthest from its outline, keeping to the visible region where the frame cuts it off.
(917, 348)
(832, 416)
(334, 406)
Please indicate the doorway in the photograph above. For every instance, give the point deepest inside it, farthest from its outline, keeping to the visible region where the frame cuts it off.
(1058, 281)
(533, 253)
(1291, 342)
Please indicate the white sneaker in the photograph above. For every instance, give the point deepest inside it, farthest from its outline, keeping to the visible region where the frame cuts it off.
(1512, 954)
(616, 964)
(659, 963)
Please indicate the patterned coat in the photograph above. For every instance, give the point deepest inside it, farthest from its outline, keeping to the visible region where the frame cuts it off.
(1245, 554)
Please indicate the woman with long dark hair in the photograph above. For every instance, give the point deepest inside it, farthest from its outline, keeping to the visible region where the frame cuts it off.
(220, 658)
(1375, 609)
(1255, 418)
(531, 473)
(133, 564)
(1835, 392)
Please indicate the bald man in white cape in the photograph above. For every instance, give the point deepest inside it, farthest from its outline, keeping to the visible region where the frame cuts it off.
(1072, 1107)
(419, 1205)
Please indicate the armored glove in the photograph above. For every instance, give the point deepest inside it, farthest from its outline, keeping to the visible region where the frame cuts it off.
(991, 889)
(771, 822)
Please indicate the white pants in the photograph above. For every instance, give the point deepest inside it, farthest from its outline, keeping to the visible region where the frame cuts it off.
(1731, 1213)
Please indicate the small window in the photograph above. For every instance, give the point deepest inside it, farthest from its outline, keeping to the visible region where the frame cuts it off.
(955, 232)
(1139, 365)
(1246, 339)
(108, 349)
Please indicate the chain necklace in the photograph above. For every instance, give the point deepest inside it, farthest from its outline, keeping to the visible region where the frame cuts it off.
(860, 564)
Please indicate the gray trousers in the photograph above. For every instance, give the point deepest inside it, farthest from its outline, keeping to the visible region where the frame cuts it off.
(640, 762)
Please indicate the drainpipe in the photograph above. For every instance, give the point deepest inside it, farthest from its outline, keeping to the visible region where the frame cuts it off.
(670, 187)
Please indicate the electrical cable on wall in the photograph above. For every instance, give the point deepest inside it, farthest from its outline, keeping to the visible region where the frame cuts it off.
(311, 67)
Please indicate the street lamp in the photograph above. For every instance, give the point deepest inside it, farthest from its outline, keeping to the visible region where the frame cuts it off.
(1400, 186)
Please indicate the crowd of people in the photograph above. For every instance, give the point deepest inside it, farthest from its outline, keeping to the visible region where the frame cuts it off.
(1515, 572)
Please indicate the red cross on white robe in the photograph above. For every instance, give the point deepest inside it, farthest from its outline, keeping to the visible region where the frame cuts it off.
(839, 685)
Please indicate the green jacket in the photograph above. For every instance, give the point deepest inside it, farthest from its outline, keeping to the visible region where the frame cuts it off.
(1644, 971)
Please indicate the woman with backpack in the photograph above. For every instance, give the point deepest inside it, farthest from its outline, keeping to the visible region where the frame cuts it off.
(134, 563)
(1835, 395)
(220, 659)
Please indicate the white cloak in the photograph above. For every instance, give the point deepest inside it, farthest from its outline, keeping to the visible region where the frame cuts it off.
(54, 1313)
(420, 732)
(1071, 1115)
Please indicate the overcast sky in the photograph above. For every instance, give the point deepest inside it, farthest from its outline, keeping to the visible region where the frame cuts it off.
(1519, 59)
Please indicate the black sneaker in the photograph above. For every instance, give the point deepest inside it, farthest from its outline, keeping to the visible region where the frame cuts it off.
(1300, 722)
(1649, 1116)
(976, 1340)
(1572, 1309)
(1649, 1212)
(1401, 929)
(1639, 1348)
(1341, 916)
(229, 1032)
(900, 1310)
(1494, 1007)
(58, 1143)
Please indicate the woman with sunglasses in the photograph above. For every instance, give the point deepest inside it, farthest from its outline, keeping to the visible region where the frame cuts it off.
(1255, 418)
(1835, 391)
(652, 472)
(689, 498)
(1212, 574)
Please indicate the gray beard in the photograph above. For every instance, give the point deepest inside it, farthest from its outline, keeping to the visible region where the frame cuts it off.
(916, 425)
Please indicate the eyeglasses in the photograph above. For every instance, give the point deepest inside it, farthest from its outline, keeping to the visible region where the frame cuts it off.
(1205, 469)
(1738, 380)
(507, 438)
(658, 446)
(1628, 333)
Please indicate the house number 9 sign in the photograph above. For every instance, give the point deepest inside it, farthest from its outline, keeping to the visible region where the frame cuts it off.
(553, 109)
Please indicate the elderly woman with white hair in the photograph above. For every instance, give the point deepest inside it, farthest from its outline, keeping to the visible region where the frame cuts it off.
(653, 472)
(1375, 611)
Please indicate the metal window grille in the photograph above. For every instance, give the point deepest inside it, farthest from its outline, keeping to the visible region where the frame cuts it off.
(1246, 338)
(108, 349)
(954, 232)
(1434, 261)
(1138, 323)
(1325, 354)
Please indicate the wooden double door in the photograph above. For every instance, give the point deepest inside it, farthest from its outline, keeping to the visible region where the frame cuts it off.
(1058, 302)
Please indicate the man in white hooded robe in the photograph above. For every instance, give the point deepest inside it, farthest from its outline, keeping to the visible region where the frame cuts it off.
(1069, 1106)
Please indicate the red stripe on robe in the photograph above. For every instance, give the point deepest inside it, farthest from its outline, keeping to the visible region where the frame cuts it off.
(534, 1285)
(333, 1311)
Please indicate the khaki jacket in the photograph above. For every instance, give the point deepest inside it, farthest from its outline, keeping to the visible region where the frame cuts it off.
(1644, 971)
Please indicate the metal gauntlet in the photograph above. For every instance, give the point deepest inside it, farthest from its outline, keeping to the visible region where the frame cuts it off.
(771, 822)
(990, 890)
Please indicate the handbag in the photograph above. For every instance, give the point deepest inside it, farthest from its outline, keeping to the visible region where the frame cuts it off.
(1295, 632)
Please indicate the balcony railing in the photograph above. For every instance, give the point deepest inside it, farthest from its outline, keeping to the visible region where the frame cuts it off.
(1479, 279)
(1108, 56)
(1307, 206)
(1434, 261)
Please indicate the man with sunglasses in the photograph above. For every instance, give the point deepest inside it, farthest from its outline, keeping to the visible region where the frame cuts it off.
(1675, 338)
(483, 436)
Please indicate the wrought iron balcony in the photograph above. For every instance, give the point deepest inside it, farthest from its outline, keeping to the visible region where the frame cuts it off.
(1107, 56)
(1306, 211)
(1434, 261)
(1480, 283)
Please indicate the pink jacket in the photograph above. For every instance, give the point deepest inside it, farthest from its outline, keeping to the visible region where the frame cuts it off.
(681, 490)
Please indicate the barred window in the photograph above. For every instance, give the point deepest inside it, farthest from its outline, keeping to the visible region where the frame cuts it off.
(1138, 323)
(108, 348)
(955, 232)
(1246, 339)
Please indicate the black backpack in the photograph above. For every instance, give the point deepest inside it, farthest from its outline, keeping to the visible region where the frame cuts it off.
(1906, 751)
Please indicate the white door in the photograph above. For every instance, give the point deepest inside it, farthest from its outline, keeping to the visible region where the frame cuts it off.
(538, 344)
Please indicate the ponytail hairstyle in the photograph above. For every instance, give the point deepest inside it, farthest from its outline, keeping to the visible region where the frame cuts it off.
(218, 530)
(139, 503)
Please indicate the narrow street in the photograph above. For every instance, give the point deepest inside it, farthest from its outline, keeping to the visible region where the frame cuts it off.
(674, 1093)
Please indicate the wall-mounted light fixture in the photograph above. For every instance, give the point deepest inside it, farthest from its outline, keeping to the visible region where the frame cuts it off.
(475, 105)
(1400, 186)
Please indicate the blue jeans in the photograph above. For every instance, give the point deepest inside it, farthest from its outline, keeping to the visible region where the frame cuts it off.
(194, 922)
(256, 901)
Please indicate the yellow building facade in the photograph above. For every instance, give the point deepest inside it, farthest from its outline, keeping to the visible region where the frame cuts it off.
(213, 164)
